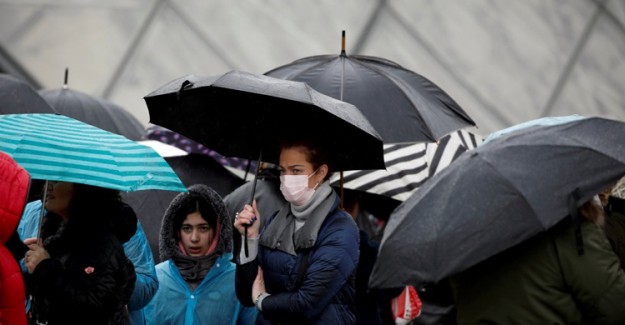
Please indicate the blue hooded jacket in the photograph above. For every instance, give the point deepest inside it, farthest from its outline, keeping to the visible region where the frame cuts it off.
(214, 300)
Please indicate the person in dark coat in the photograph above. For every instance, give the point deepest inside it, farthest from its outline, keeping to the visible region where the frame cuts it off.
(137, 250)
(615, 226)
(614, 208)
(301, 268)
(79, 273)
(373, 307)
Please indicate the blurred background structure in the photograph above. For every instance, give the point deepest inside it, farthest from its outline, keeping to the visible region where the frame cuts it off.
(504, 62)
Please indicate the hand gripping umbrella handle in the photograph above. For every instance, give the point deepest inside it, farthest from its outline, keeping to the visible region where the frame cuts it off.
(260, 157)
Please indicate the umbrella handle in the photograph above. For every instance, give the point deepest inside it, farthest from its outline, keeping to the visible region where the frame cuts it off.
(43, 207)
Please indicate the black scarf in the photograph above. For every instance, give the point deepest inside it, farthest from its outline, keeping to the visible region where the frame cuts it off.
(194, 269)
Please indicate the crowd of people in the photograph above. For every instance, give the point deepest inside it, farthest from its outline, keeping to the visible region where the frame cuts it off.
(292, 255)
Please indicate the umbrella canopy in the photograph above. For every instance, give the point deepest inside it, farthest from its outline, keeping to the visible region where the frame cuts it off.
(95, 111)
(18, 97)
(242, 114)
(409, 166)
(175, 139)
(59, 148)
(496, 196)
(549, 120)
(192, 169)
(402, 105)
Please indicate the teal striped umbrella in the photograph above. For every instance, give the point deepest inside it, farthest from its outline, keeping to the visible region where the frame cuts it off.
(58, 148)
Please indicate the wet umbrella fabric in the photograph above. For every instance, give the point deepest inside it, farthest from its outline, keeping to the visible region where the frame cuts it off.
(18, 97)
(549, 120)
(58, 148)
(402, 105)
(409, 166)
(95, 111)
(242, 114)
(497, 196)
(151, 205)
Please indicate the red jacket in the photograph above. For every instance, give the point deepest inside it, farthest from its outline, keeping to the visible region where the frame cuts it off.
(14, 183)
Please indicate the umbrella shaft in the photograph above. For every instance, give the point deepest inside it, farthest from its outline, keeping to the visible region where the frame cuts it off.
(43, 207)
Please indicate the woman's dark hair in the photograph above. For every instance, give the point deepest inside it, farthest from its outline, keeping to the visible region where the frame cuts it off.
(93, 201)
(316, 154)
(190, 203)
(94, 209)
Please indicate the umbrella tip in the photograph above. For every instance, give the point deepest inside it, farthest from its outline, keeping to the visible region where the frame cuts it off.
(343, 44)
(66, 76)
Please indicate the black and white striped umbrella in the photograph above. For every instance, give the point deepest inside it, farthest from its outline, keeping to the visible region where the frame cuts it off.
(408, 166)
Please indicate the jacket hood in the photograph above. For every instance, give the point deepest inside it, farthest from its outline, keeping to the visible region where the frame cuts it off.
(168, 243)
(14, 184)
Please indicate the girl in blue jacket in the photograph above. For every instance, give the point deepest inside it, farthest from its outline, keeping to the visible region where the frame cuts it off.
(196, 279)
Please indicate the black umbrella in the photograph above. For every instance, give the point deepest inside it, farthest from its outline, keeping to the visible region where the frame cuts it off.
(242, 114)
(402, 105)
(497, 196)
(16, 97)
(192, 169)
(247, 115)
(95, 111)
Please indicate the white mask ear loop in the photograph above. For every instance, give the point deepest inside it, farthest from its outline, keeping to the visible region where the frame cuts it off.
(311, 175)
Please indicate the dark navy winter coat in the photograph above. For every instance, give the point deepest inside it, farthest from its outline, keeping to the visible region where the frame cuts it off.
(326, 294)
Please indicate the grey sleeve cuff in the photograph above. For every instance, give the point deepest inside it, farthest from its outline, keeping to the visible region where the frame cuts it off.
(252, 245)
(259, 301)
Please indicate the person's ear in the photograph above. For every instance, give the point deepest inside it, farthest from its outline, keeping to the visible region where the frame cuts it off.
(323, 171)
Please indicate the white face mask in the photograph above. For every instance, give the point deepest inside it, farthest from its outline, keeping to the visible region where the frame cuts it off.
(295, 188)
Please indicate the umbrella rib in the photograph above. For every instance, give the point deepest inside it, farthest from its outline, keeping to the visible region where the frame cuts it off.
(326, 59)
(508, 182)
(403, 92)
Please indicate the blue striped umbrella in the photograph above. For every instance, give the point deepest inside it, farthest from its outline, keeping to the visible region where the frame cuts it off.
(58, 148)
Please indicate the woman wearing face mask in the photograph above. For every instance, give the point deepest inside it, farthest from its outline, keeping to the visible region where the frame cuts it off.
(300, 267)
